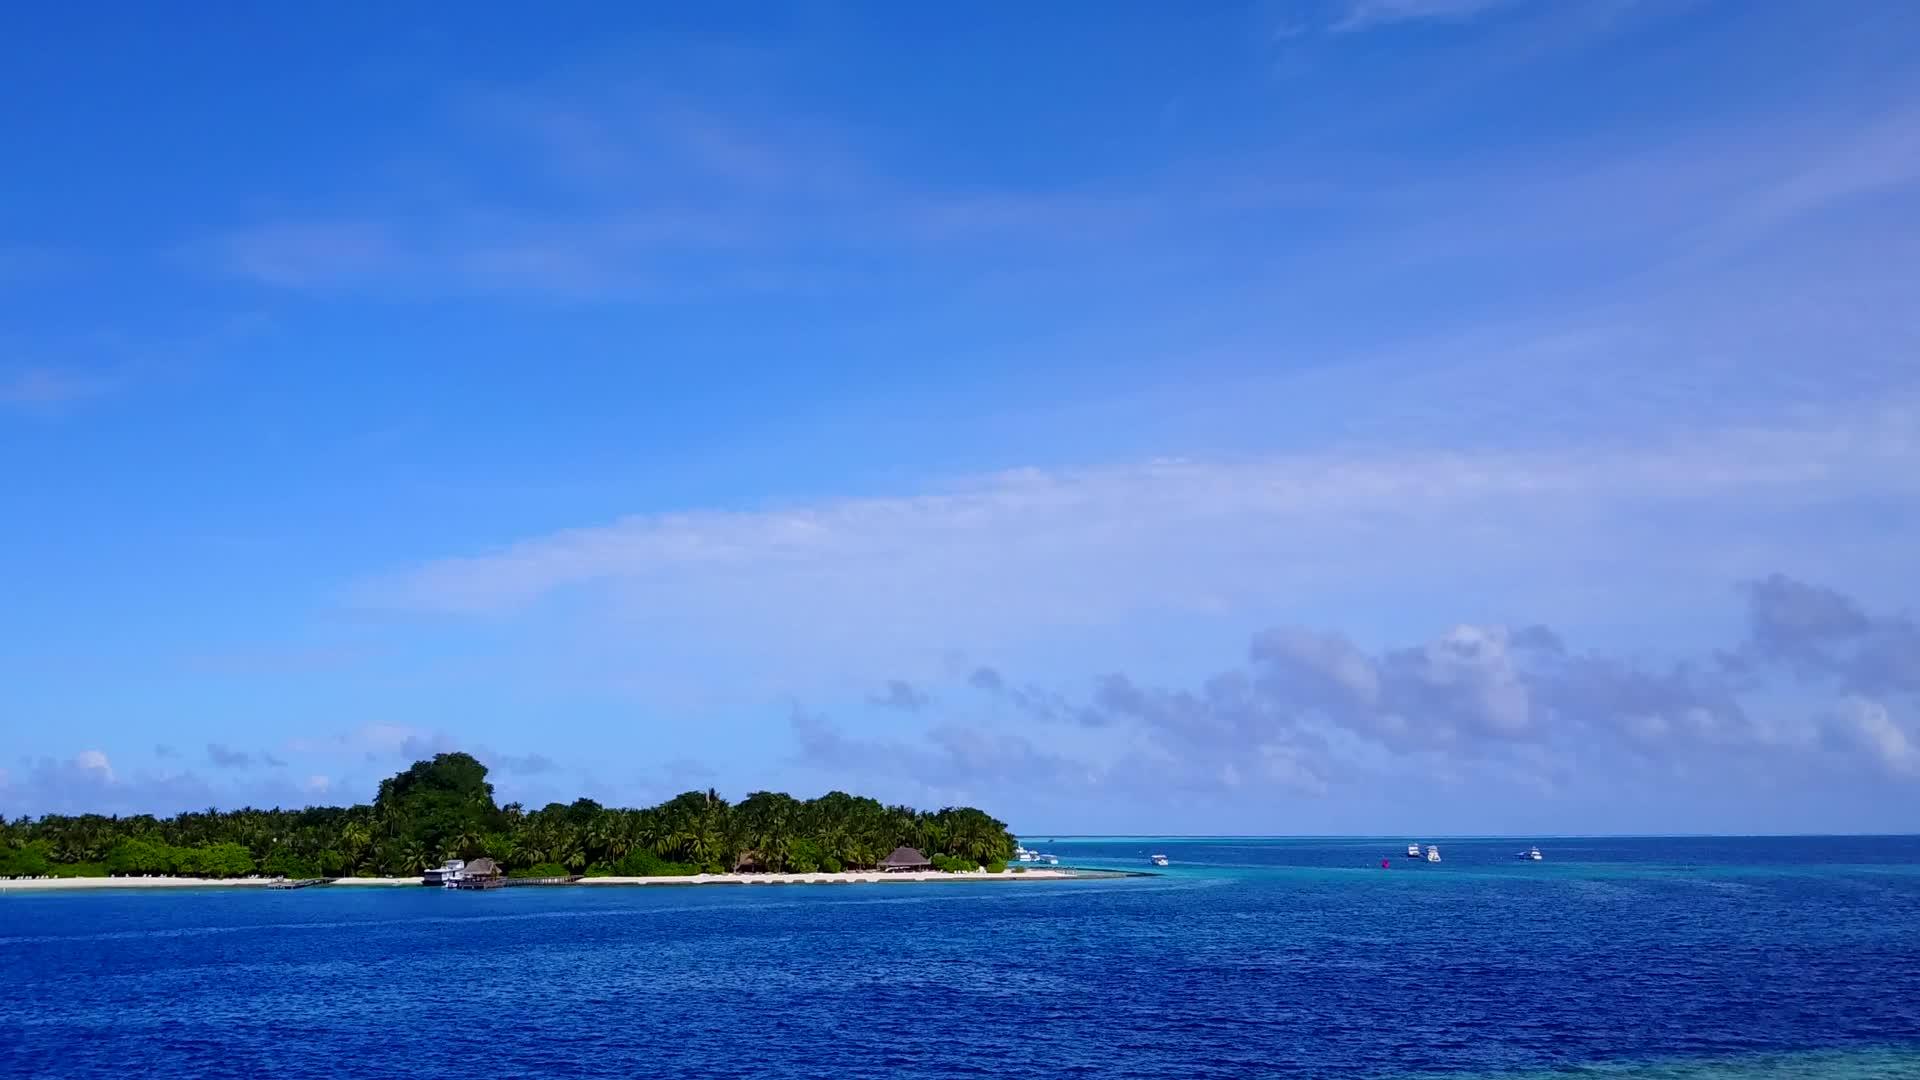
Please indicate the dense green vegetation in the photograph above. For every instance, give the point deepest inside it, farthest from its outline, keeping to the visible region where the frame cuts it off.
(444, 808)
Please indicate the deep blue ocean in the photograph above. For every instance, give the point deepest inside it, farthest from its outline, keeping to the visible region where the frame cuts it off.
(1612, 957)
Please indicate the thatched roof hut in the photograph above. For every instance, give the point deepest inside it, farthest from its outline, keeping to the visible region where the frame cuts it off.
(905, 858)
(482, 868)
(749, 861)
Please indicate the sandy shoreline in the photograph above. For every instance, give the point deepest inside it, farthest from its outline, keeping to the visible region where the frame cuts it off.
(32, 884)
(855, 877)
(861, 877)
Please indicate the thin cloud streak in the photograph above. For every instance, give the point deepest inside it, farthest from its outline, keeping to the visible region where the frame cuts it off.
(1373, 14)
(43, 388)
(653, 200)
(1127, 519)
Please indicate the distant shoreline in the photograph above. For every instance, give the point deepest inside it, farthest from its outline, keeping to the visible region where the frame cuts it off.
(852, 877)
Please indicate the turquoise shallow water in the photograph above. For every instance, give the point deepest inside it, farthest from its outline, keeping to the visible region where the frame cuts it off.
(1631, 959)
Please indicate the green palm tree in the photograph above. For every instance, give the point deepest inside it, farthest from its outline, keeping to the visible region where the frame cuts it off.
(468, 843)
(598, 836)
(650, 832)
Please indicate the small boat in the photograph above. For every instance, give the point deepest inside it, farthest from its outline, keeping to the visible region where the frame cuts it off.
(1531, 853)
(1433, 853)
(1413, 851)
(1157, 860)
(445, 874)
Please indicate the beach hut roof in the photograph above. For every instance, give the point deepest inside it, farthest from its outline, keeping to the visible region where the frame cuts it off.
(905, 856)
(483, 867)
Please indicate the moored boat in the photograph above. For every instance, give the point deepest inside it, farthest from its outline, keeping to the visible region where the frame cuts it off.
(1433, 853)
(1157, 860)
(444, 874)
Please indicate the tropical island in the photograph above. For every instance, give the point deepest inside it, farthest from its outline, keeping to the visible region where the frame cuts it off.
(444, 809)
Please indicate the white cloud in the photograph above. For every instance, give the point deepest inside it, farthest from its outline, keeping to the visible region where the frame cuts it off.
(1046, 548)
(1871, 726)
(88, 783)
(378, 739)
(317, 784)
(1516, 709)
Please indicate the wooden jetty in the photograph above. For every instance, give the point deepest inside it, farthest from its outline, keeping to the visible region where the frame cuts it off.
(302, 883)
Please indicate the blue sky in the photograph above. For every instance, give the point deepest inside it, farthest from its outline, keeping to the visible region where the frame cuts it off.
(1354, 416)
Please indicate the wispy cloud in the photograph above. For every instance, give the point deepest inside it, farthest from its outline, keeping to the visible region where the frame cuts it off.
(303, 254)
(365, 740)
(45, 388)
(640, 193)
(901, 695)
(520, 765)
(1176, 531)
(1371, 14)
(223, 757)
(1817, 632)
(637, 195)
(950, 764)
(53, 372)
(384, 744)
(89, 783)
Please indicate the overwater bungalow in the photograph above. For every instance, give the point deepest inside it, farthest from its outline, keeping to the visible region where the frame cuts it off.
(904, 859)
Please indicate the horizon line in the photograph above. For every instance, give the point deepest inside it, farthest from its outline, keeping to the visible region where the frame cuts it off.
(1018, 834)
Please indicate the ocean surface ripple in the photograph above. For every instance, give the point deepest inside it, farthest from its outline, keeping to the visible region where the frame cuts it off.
(1632, 959)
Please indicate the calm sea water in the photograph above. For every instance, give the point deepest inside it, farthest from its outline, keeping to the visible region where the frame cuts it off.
(1635, 958)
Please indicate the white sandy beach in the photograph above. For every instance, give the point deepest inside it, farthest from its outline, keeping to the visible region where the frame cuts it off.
(27, 884)
(859, 877)
(852, 877)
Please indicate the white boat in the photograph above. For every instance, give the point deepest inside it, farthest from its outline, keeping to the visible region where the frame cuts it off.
(1433, 853)
(445, 874)
(1025, 854)
(1157, 860)
(1531, 853)
(1413, 851)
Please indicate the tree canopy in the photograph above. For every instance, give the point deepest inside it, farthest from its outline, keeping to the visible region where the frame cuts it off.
(444, 808)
